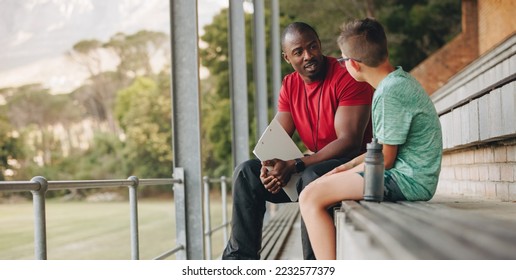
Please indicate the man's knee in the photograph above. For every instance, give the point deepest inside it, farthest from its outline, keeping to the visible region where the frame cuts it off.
(308, 176)
(246, 167)
(246, 177)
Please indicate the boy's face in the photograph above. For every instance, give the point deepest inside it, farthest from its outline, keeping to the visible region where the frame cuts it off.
(351, 68)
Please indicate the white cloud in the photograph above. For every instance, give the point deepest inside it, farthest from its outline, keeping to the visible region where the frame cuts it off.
(33, 33)
(151, 15)
(20, 38)
(56, 26)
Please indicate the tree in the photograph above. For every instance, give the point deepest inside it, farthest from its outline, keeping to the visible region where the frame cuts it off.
(422, 20)
(11, 149)
(325, 16)
(97, 96)
(133, 54)
(415, 29)
(215, 104)
(32, 110)
(144, 113)
(135, 51)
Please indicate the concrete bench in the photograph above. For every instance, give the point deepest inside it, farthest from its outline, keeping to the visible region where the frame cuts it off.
(276, 230)
(420, 230)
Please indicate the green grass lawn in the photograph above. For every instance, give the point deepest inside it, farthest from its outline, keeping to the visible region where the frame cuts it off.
(94, 230)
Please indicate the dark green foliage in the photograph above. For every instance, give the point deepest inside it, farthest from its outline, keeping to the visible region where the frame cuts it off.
(129, 108)
(415, 29)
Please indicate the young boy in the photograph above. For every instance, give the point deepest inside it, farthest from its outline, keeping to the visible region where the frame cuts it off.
(404, 121)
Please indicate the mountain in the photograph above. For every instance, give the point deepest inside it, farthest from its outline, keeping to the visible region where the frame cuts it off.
(34, 35)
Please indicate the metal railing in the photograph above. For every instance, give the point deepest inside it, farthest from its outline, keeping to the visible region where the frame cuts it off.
(38, 186)
(207, 218)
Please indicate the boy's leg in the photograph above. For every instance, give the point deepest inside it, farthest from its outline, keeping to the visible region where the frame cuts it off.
(249, 197)
(314, 202)
(309, 175)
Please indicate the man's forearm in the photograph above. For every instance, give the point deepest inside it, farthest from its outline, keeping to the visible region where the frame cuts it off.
(339, 148)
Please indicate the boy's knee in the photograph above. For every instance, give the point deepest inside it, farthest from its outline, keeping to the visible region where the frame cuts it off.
(304, 196)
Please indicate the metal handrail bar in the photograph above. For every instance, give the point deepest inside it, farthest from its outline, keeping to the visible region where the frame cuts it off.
(169, 253)
(39, 186)
(223, 180)
(81, 184)
(219, 179)
(16, 186)
(219, 227)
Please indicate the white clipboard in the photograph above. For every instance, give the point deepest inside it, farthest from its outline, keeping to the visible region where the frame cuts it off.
(276, 143)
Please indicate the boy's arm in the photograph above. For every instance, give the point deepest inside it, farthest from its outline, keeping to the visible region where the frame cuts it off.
(389, 155)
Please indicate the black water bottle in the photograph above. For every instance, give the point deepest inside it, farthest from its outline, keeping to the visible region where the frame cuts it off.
(373, 172)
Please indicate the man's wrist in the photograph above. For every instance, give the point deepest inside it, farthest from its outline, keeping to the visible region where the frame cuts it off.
(299, 165)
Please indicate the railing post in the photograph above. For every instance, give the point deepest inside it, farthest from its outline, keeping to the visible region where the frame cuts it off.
(260, 68)
(40, 228)
(207, 218)
(275, 52)
(133, 204)
(223, 191)
(180, 205)
(238, 82)
(186, 113)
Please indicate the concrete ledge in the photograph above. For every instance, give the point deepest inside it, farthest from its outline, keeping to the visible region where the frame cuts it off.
(443, 228)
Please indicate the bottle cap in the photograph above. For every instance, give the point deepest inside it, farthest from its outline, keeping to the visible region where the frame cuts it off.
(374, 145)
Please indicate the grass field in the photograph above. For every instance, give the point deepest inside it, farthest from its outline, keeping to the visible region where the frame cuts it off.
(94, 230)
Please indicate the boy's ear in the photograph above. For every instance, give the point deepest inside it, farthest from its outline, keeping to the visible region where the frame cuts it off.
(356, 66)
(285, 57)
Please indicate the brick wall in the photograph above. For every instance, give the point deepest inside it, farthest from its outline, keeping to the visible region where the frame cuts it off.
(496, 22)
(472, 82)
(477, 110)
(487, 171)
(435, 71)
(485, 23)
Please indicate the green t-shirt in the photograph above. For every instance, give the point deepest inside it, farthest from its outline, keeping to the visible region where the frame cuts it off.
(404, 115)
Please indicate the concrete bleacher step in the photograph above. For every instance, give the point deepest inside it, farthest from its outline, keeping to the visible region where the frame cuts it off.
(422, 230)
(277, 229)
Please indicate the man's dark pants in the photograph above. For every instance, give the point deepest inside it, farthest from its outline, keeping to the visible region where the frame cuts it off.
(249, 200)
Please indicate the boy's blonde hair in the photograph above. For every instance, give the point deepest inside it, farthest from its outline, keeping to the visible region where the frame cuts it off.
(364, 40)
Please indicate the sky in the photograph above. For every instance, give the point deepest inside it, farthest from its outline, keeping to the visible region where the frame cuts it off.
(35, 34)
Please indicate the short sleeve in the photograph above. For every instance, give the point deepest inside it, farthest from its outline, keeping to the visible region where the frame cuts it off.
(284, 98)
(391, 122)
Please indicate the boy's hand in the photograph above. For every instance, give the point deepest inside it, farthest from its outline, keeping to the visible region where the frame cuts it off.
(341, 168)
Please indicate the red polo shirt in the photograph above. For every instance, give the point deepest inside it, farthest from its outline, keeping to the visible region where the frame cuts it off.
(313, 106)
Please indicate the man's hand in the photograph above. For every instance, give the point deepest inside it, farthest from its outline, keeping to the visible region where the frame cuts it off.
(275, 174)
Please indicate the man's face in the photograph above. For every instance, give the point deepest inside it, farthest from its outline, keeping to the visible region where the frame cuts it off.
(303, 52)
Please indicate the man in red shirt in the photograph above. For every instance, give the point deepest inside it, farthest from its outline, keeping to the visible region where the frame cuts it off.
(329, 110)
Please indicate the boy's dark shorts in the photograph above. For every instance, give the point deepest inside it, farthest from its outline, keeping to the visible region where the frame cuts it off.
(391, 191)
